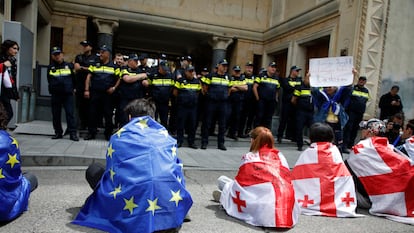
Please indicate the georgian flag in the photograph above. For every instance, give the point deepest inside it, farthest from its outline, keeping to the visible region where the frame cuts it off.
(388, 178)
(5, 77)
(262, 193)
(323, 184)
(409, 147)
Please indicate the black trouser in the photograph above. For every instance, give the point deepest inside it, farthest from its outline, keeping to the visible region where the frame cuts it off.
(123, 117)
(7, 106)
(32, 180)
(287, 121)
(303, 118)
(265, 111)
(161, 111)
(186, 119)
(234, 120)
(338, 134)
(216, 109)
(82, 105)
(351, 128)
(65, 101)
(247, 115)
(94, 174)
(100, 102)
(173, 116)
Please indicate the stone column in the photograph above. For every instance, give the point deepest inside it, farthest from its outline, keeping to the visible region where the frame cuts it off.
(219, 45)
(106, 28)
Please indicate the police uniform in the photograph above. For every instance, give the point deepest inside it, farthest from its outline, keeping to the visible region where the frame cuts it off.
(236, 99)
(355, 108)
(249, 107)
(104, 76)
(61, 80)
(304, 111)
(160, 88)
(267, 88)
(187, 101)
(217, 102)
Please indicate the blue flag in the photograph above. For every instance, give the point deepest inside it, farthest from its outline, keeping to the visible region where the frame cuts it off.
(143, 187)
(14, 188)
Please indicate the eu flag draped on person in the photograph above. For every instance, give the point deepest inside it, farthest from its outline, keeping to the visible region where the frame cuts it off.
(14, 188)
(143, 187)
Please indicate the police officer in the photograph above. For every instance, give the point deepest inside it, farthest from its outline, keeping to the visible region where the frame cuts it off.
(82, 63)
(216, 85)
(266, 90)
(237, 92)
(355, 108)
(100, 84)
(302, 99)
(143, 67)
(61, 79)
(132, 85)
(161, 84)
(186, 90)
(249, 103)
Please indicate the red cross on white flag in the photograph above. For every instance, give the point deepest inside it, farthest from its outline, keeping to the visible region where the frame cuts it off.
(387, 177)
(323, 184)
(262, 193)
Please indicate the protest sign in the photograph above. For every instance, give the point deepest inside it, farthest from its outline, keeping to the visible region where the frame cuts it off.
(331, 71)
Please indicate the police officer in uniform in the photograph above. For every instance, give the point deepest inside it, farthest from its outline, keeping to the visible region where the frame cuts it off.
(132, 86)
(161, 84)
(216, 85)
(143, 67)
(266, 90)
(82, 63)
(249, 103)
(237, 92)
(100, 84)
(355, 108)
(287, 121)
(302, 99)
(61, 79)
(186, 90)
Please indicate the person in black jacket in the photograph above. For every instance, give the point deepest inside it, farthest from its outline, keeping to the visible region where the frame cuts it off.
(390, 103)
(61, 79)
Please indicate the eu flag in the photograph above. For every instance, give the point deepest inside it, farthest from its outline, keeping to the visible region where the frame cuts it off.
(143, 187)
(14, 188)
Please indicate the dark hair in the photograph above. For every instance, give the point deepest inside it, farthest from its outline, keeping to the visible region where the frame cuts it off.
(321, 132)
(140, 107)
(261, 136)
(3, 117)
(410, 124)
(6, 45)
(395, 87)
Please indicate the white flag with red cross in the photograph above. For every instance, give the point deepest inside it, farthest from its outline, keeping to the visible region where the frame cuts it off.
(409, 147)
(262, 193)
(387, 177)
(323, 184)
(5, 78)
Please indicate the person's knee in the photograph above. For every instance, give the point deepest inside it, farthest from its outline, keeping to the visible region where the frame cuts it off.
(94, 173)
(32, 180)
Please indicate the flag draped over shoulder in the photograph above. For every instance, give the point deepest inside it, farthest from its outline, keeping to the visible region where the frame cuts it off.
(262, 193)
(143, 187)
(323, 184)
(14, 188)
(5, 78)
(387, 177)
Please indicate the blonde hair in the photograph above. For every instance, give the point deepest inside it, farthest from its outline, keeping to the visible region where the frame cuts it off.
(261, 137)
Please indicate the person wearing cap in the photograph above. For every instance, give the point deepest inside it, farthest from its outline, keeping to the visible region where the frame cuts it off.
(288, 110)
(302, 99)
(237, 92)
(355, 107)
(217, 88)
(249, 103)
(132, 85)
(266, 91)
(61, 80)
(186, 91)
(82, 63)
(161, 83)
(143, 67)
(100, 84)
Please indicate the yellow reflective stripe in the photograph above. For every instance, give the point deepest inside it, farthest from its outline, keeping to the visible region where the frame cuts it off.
(360, 94)
(249, 81)
(60, 72)
(296, 92)
(104, 69)
(238, 82)
(271, 81)
(220, 81)
(205, 80)
(294, 83)
(162, 82)
(305, 92)
(190, 86)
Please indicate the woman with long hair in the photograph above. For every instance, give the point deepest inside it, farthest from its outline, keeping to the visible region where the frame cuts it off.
(262, 192)
(8, 52)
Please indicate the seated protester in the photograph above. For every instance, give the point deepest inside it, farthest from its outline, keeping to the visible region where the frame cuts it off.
(393, 130)
(408, 137)
(15, 188)
(262, 193)
(323, 184)
(386, 176)
(143, 187)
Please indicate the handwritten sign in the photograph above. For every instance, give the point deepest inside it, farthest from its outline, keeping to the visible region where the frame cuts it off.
(331, 71)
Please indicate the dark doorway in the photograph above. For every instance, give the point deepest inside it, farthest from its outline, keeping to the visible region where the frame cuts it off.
(317, 49)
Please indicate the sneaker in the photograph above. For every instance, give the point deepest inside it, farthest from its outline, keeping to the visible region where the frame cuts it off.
(74, 137)
(193, 146)
(57, 136)
(203, 146)
(89, 137)
(216, 195)
(221, 147)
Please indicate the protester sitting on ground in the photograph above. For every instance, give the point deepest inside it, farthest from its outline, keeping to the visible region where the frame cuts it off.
(393, 129)
(387, 177)
(262, 192)
(408, 137)
(15, 187)
(143, 187)
(323, 184)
